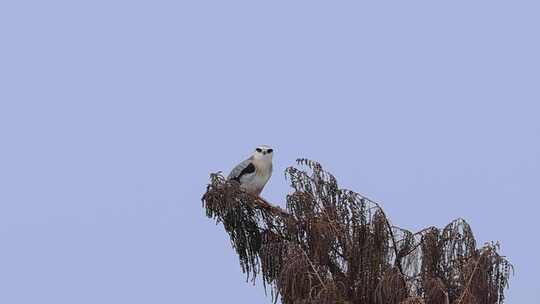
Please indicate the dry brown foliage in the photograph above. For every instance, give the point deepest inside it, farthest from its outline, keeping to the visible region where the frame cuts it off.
(333, 245)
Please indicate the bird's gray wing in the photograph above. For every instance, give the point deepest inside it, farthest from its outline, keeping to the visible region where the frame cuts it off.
(242, 168)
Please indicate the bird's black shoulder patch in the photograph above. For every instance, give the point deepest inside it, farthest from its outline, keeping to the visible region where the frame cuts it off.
(249, 169)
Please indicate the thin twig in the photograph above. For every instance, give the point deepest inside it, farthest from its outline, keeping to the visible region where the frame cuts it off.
(313, 267)
(470, 279)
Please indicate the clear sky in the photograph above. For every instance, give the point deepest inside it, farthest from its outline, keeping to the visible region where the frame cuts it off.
(113, 113)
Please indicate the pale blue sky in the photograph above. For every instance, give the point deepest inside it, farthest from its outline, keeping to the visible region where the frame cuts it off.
(112, 114)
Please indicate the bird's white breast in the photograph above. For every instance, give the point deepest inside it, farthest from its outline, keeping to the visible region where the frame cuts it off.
(255, 182)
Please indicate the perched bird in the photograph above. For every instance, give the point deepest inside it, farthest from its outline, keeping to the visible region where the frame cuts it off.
(254, 172)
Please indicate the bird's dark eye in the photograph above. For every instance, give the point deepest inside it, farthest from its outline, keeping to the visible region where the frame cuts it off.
(270, 150)
(258, 150)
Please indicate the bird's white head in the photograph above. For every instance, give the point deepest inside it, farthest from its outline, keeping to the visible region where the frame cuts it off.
(263, 153)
